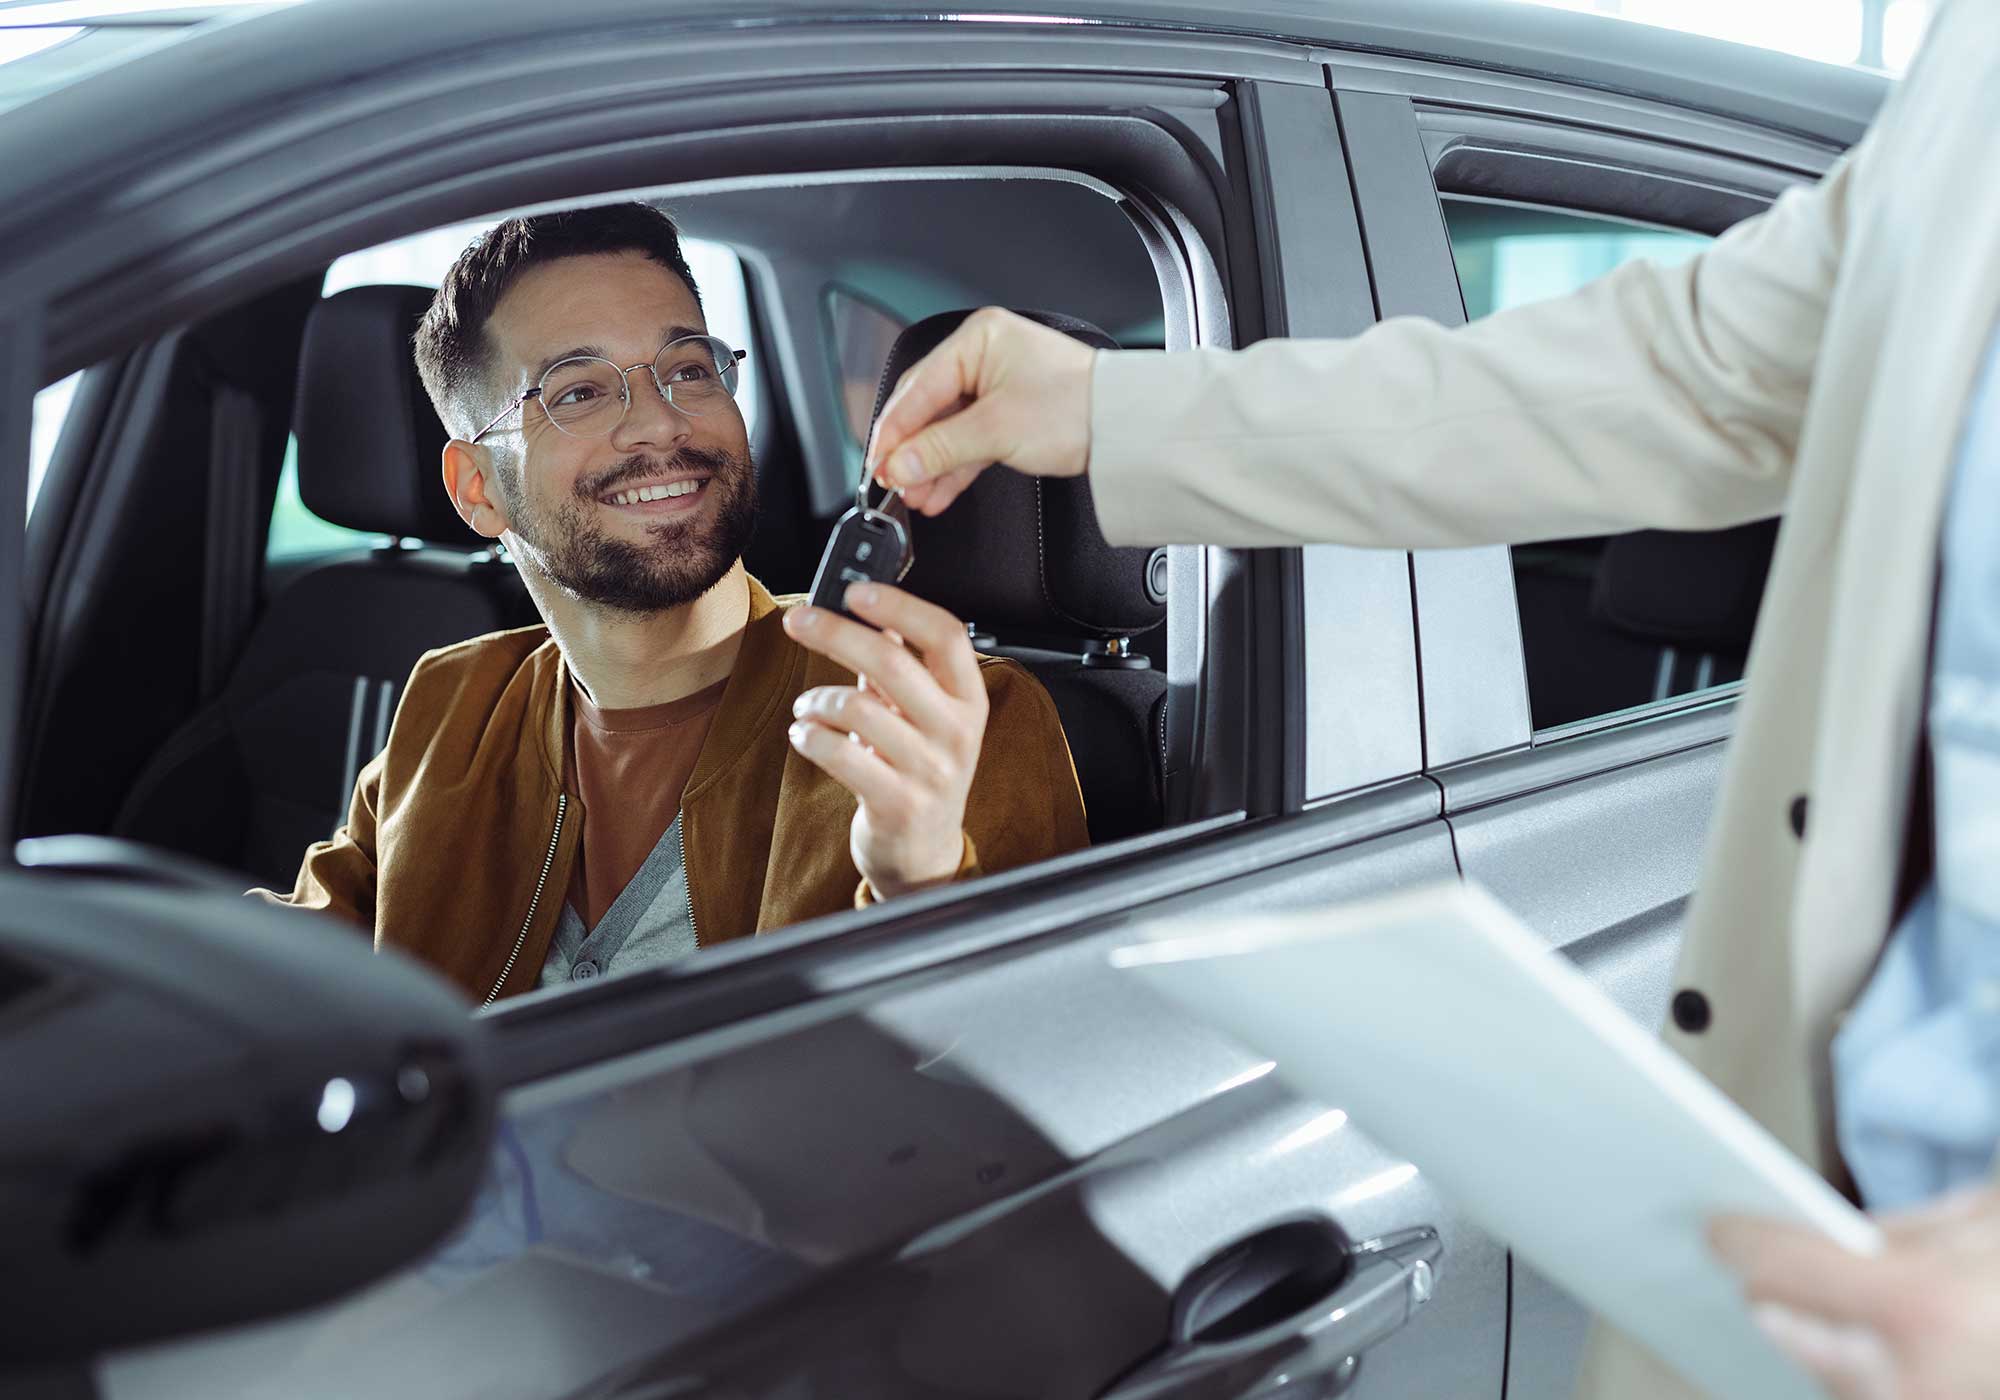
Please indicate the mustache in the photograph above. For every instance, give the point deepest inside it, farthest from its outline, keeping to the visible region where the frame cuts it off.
(639, 468)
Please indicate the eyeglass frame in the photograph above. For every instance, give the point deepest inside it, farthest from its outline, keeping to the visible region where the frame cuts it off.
(625, 378)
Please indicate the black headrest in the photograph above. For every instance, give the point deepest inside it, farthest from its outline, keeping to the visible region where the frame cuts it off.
(370, 445)
(1024, 553)
(1693, 590)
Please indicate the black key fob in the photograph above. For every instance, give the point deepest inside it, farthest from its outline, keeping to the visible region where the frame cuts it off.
(868, 546)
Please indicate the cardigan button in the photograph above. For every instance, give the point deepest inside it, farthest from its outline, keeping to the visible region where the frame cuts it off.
(1798, 816)
(1691, 1011)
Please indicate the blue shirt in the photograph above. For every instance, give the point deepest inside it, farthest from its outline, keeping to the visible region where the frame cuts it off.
(1917, 1063)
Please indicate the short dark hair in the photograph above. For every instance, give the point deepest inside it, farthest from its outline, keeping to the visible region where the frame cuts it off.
(452, 353)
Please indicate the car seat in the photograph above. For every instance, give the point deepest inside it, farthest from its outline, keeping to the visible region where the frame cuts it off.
(268, 766)
(1023, 562)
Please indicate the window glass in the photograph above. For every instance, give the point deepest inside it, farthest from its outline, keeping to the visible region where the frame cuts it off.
(1608, 624)
(296, 531)
(51, 410)
(422, 260)
(863, 335)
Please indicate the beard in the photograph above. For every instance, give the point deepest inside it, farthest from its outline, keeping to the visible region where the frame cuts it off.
(680, 560)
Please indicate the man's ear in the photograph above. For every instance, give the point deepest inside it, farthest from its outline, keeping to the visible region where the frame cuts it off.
(468, 480)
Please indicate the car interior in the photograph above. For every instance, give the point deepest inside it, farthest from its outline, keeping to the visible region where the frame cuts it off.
(1609, 623)
(273, 667)
(273, 675)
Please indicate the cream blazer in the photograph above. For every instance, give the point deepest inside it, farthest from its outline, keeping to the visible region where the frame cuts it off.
(1818, 360)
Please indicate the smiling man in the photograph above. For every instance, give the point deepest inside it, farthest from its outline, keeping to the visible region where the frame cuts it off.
(677, 758)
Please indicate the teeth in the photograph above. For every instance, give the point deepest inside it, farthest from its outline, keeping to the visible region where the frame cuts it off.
(656, 493)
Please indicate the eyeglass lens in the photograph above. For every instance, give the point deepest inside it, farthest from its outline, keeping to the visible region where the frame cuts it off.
(588, 397)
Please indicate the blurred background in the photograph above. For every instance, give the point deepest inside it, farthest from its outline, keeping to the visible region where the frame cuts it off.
(1871, 33)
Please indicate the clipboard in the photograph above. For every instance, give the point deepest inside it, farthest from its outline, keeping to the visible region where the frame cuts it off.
(1454, 1037)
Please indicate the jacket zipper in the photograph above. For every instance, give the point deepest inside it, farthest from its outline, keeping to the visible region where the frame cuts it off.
(548, 863)
(693, 927)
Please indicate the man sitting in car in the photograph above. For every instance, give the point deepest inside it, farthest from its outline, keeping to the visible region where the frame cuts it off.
(677, 758)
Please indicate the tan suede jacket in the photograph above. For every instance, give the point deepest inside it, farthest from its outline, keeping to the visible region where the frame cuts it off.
(459, 841)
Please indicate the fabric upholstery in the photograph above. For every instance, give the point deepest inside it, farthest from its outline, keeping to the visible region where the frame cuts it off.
(1688, 589)
(1019, 553)
(1021, 556)
(370, 445)
(267, 768)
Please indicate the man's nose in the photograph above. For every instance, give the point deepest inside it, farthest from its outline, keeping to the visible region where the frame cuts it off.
(651, 419)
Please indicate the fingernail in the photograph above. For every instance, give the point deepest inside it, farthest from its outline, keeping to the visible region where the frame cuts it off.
(797, 734)
(799, 707)
(802, 618)
(861, 595)
(904, 469)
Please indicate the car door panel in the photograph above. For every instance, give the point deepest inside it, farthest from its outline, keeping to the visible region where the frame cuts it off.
(1593, 834)
(992, 1181)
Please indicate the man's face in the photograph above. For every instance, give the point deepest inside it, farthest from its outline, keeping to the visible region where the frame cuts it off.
(568, 499)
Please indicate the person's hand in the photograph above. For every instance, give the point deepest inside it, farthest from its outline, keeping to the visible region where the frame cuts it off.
(1000, 388)
(1920, 1321)
(905, 741)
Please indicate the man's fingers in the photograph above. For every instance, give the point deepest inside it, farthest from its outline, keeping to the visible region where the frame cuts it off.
(867, 775)
(848, 710)
(1852, 1362)
(891, 669)
(1962, 1217)
(971, 439)
(1804, 1270)
(939, 635)
(932, 386)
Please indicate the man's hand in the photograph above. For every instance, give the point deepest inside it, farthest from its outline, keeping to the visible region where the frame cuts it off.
(1921, 1321)
(905, 741)
(1000, 388)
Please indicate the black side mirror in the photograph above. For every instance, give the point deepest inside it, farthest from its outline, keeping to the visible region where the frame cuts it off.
(213, 1111)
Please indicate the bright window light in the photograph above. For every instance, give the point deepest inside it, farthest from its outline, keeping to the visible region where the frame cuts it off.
(423, 260)
(1832, 31)
(20, 43)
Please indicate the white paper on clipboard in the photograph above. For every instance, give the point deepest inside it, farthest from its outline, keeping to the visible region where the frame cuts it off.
(1453, 1036)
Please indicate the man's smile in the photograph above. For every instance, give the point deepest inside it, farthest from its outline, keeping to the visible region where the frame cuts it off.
(660, 497)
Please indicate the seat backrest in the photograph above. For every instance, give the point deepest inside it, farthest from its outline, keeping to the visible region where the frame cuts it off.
(1693, 595)
(1022, 560)
(269, 766)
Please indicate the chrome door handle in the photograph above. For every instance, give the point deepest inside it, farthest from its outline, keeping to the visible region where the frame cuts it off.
(1384, 1284)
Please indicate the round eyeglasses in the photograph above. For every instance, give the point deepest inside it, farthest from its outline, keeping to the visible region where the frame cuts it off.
(588, 397)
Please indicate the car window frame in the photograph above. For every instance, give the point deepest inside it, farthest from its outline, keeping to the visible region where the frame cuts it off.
(1531, 163)
(1164, 147)
(1695, 173)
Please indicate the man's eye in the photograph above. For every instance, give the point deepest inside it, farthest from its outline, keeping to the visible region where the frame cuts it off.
(577, 394)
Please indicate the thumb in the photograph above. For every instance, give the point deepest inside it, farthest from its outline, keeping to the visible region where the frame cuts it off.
(961, 446)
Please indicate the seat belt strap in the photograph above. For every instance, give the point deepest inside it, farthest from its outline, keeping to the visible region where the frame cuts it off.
(231, 549)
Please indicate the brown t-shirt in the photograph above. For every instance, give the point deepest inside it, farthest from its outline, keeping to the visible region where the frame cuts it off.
(627, 770)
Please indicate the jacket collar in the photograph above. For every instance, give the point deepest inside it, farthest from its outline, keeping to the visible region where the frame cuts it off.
(762, 678)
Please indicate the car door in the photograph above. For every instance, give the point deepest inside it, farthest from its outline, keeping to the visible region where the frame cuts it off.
(1577, 730)
(941, 1146)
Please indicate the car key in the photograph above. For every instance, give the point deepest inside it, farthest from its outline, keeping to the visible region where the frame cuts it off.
(870, 544)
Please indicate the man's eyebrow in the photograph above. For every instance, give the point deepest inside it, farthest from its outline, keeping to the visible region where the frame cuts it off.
(598, 351)
(574, 352)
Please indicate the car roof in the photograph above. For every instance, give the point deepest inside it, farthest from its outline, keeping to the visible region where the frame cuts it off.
(283, 46)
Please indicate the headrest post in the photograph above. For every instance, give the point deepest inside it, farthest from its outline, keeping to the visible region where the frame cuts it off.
(1115, 653)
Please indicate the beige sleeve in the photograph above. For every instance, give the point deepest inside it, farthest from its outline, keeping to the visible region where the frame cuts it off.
(1661, 397)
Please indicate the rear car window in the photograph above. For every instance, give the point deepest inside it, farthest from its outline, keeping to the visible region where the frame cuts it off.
(1608, 625)
(51, 411)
